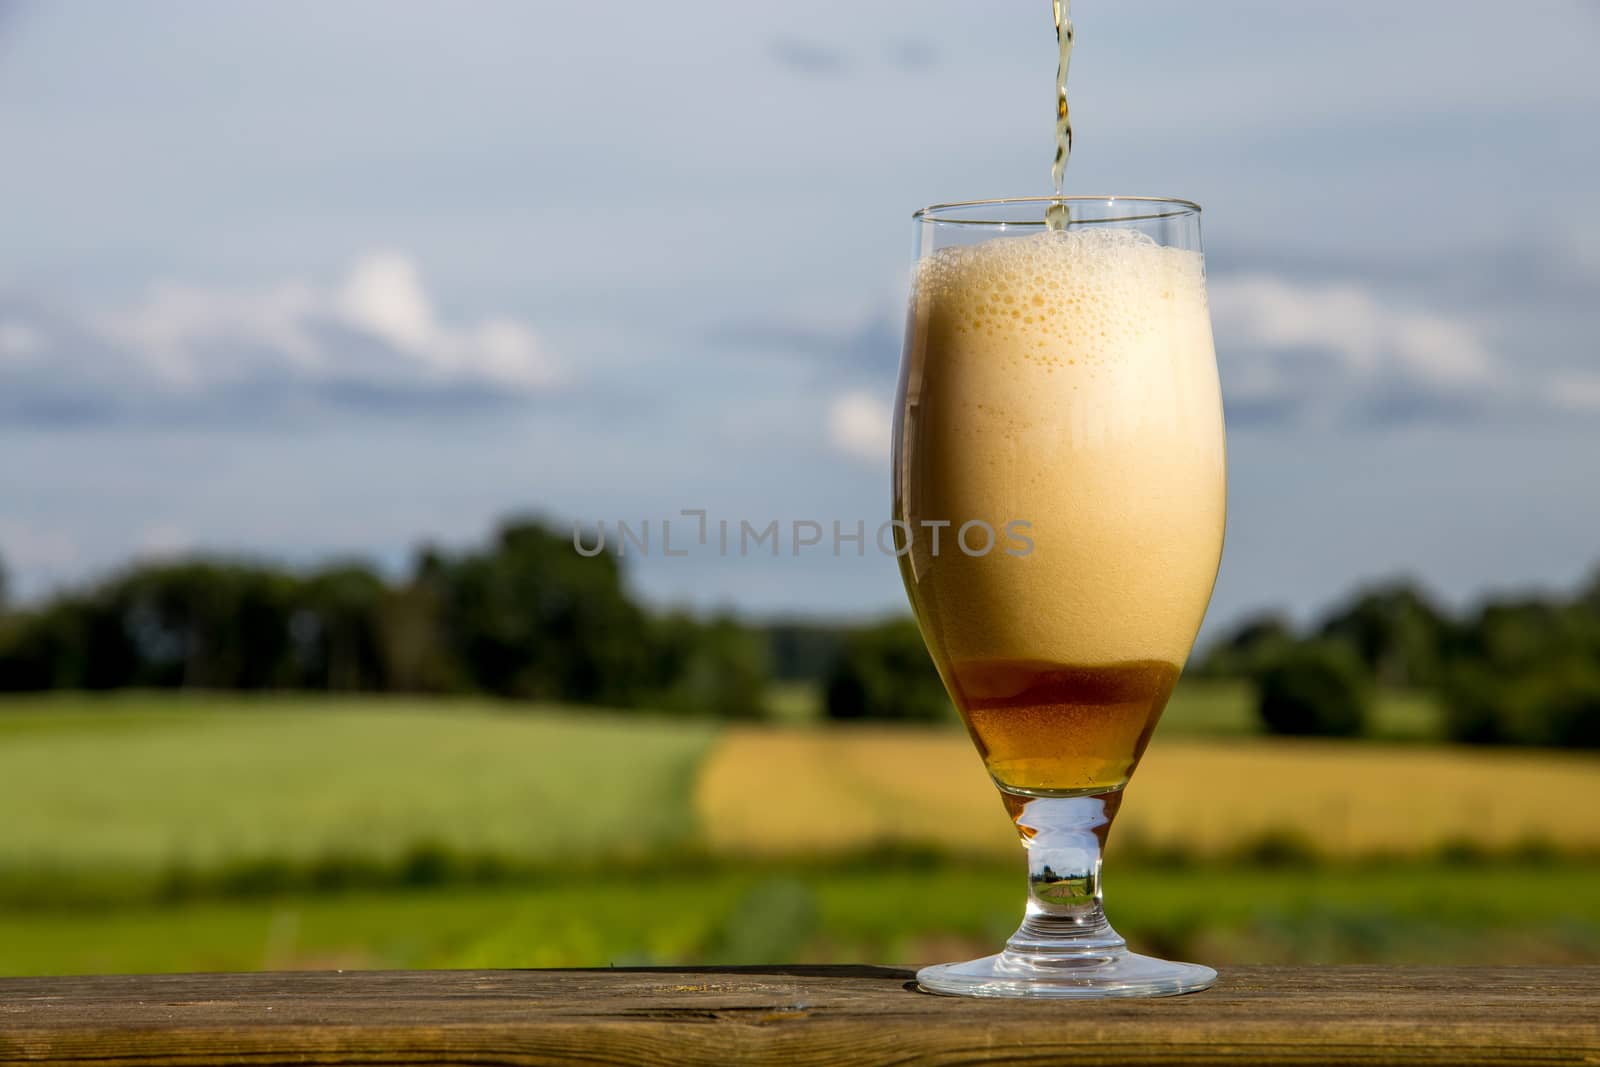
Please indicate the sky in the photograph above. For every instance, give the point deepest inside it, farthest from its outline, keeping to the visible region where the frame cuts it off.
(310, 281)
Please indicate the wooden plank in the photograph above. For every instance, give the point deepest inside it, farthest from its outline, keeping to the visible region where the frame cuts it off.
(796, 1015)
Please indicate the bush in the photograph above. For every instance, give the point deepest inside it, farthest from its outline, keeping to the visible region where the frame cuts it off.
(1475, 706)
(717, 667)
(1247, 648)
(1314, 690)
(1527, 636)
(1396, 630)
(531, 619)
(1572, 711)
(884, 672)
(1555, 704)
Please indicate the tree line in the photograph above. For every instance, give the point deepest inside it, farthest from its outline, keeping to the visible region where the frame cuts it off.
(525, 617)
(522, 617)
(1512, 670)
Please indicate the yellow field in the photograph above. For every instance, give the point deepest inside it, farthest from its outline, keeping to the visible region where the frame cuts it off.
(792, 790)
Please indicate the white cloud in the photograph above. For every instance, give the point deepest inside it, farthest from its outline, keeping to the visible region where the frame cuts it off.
(384, 294)
(18, 340)
(859, 426)
(1575, 392)
(1371, 335)
(185, 337)
(375, 332)
(27, 546)
(1343, 348)
(164, 541)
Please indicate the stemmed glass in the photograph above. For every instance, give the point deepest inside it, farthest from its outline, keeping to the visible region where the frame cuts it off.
(1060, 424)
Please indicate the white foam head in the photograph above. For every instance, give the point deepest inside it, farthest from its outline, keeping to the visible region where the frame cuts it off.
(1067, 379)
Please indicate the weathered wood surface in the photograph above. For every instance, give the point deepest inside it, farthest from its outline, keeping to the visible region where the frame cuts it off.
(797, 1015)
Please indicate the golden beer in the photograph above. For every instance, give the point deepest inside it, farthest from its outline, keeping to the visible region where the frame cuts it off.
(1066, 380)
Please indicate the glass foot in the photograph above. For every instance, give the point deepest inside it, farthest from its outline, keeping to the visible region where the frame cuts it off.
(1112, 974)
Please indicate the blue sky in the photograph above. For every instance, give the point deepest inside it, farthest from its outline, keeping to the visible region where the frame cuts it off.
(306, 279)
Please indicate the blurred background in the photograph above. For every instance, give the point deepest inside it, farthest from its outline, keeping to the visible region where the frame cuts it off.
(323, 326)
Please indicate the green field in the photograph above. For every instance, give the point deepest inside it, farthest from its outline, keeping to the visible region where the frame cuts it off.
(893, 914)
(1209, 708)
(1203, 708)
(159, 832)
(132, 787)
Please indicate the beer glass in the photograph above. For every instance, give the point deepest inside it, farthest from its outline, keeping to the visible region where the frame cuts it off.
(1060, 495)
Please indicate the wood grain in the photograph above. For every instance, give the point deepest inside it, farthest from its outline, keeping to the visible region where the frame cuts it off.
(796, 1015)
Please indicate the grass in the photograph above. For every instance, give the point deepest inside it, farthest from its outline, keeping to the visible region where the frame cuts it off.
(144, 785)
(794, 703)
(1209, 708)
(907, 914)
(1199, 708)
(226, 832)
(141, 784)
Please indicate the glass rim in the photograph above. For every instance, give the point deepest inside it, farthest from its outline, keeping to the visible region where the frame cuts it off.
(936, 212)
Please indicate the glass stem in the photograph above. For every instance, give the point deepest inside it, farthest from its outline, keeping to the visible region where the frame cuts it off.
(1065, 923)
